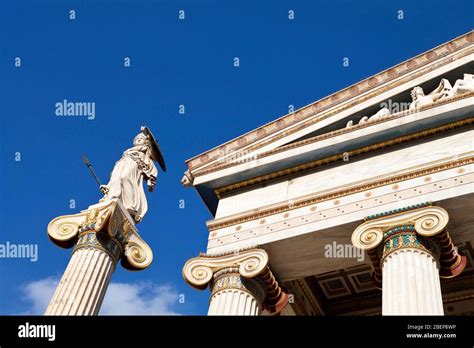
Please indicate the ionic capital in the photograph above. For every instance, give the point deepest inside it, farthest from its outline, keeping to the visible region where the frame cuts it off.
(421, 227)
(427, 221)
(221, 270)
(198, 271)
(105, 226)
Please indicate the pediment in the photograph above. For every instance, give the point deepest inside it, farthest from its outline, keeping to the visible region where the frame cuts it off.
(321, 130)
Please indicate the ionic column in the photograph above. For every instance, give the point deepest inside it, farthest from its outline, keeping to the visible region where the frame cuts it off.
(87, 276)
(410, 273)
(408, 258)
(241, 283)
(102, 236)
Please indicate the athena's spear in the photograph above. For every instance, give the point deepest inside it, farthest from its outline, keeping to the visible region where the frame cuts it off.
(88, 164)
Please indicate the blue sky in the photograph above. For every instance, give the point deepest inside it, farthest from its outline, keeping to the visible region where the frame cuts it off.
(173, 62)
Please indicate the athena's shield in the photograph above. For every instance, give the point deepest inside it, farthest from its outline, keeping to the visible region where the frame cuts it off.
(156, 153)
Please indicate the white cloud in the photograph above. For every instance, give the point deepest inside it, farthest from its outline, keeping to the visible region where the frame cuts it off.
(39, 293)
(141, 298)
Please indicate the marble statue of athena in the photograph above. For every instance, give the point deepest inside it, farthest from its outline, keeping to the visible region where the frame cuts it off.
(105, 233)
(126, 180)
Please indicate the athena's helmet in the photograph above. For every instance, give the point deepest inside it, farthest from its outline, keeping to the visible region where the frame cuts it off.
(141, 139)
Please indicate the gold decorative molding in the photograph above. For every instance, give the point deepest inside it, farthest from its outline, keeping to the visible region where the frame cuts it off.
(106, 226)
(372, 86)
(226, 222)
(340, 157)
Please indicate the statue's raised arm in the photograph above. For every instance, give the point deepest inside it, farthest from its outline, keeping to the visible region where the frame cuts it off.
(135, 165)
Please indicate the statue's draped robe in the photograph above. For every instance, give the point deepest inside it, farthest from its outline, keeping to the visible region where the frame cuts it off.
(126, 180)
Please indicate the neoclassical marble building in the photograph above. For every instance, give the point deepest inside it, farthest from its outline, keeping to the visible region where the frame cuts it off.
(358, 204)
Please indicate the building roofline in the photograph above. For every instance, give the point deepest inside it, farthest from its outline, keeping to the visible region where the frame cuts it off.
(365, 85)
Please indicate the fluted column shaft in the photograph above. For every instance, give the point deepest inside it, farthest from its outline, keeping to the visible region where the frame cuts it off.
(83, 284)
(233, 295)
(410, 274)
(411, 284)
